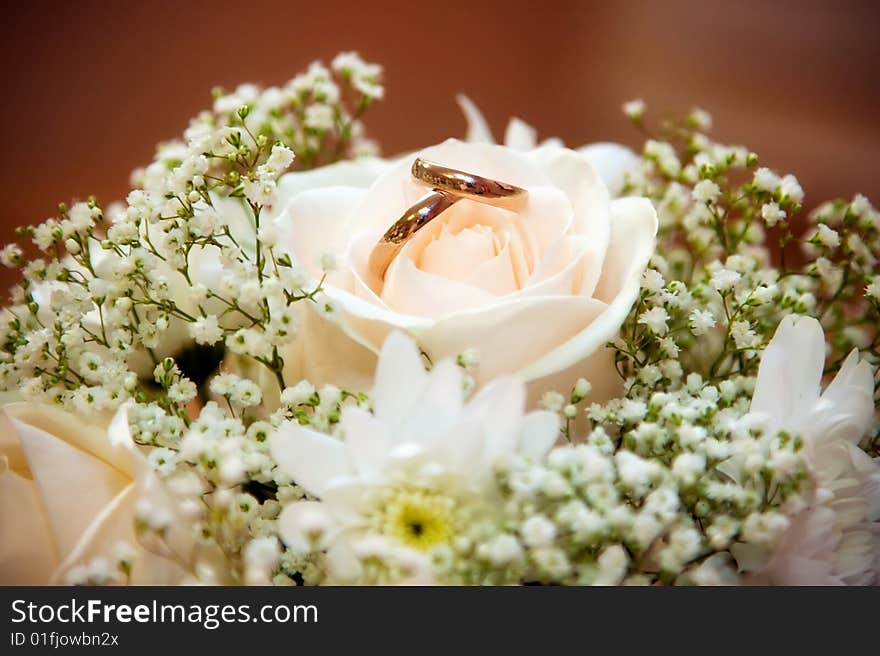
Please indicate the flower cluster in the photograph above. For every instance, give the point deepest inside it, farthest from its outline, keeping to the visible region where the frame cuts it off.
(189, 265)
(733, 260)
(727, 433)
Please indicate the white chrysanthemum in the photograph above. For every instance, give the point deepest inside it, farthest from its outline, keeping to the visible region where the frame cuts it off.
(835, 540)
(416, 472)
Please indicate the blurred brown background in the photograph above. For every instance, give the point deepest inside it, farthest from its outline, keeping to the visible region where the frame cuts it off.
(91, 86)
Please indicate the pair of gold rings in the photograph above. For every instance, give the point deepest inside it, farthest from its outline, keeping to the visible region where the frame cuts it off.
(448, 186)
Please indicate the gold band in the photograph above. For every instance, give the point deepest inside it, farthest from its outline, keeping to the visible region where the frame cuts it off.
(449, 186)
(473, 187)
(415, 218)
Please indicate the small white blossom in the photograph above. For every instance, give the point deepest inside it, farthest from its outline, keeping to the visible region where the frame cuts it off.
(634, 109)
(771, 214)
(724, 279)
(766, 180)
(655, 319)
(706, 191)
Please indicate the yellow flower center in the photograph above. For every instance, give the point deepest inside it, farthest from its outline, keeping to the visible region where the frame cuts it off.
(419, 519)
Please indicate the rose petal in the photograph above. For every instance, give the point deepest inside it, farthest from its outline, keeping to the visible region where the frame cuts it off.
(478, 130)
(520, 135)
(115, 523)
(395, 191)
(411, 291)
(316, 222)
(574, 175)
(612, 161)
(634, 226)
(89, 435)
(75, 484)
(27, 550)
(360, 173)
(499, 331)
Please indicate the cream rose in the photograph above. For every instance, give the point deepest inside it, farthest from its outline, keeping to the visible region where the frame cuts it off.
(538, 292)
(69, 487)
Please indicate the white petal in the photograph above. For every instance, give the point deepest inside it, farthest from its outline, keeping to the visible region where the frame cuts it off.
(74, 482)
(499, 407)
(477, 129)
(299, 522)
(359, 173)
(633, 231)
(366, 441)
(520, 135)
(89, 435)
(27, 550)
(575, 176)
(316, 222)
(436, 408)
(342, 563)
(312, 459)
(612, 161)
(400, 379)
(852, 395)
(790, 373)
(540, 430)
(512, 336)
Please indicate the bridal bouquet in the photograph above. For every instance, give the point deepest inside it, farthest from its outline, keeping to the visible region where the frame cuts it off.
(648, 369)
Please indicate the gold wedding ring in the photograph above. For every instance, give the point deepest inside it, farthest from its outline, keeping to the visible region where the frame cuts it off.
(474, 187)
(415, 218)
(449, 186)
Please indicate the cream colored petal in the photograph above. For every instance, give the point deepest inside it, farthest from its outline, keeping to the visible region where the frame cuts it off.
(322, 353)
(511, 336)
(633, 238)
(573, 174)
(360, 173)
(10, 447)
(86, 434)
(570, 267)
(316, 222)
(115, 523)
(27, 548)
(74, 482)
(520, 135)
(612, 161)
(548, 215)
(410, 291)
(634, 226)
(478, 130)
(395, 191)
